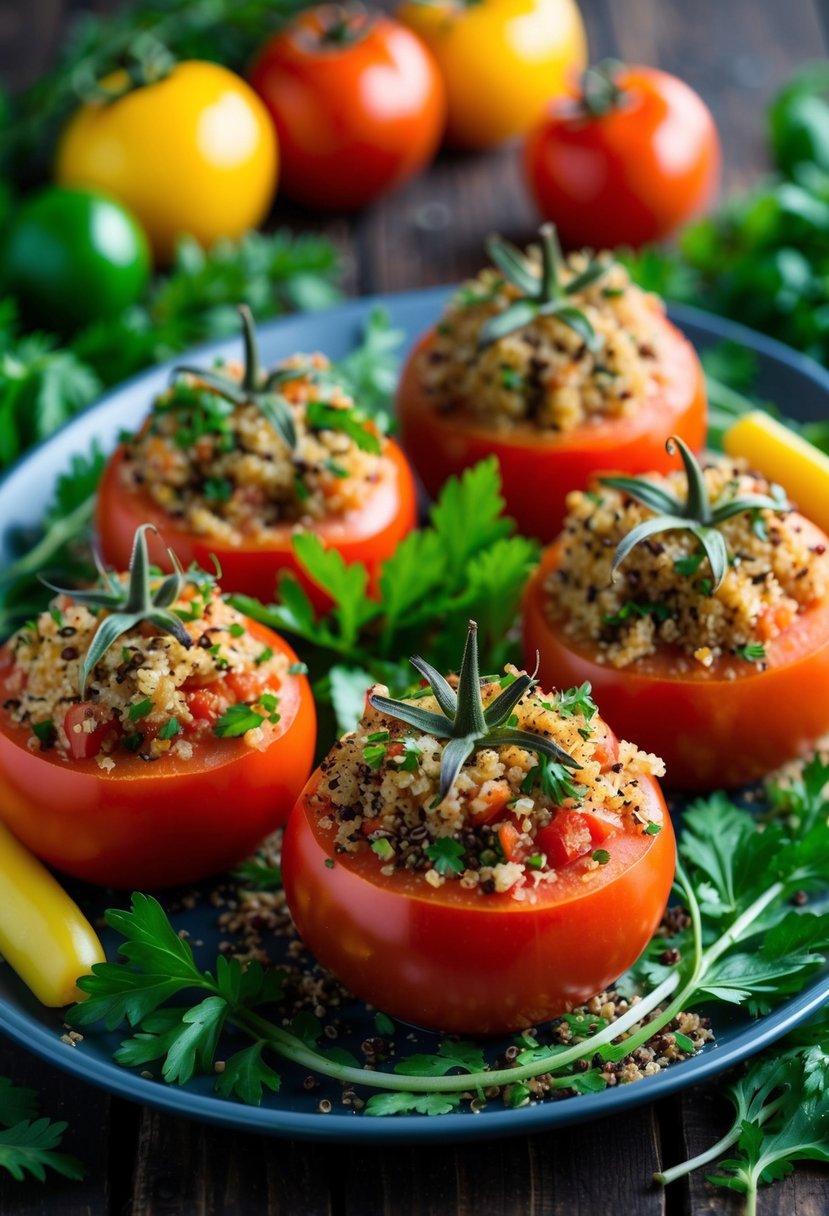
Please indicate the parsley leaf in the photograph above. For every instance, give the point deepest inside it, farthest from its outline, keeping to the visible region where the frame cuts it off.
(401, 1103)
(445, 855)
(246, 1076)
(236, 721)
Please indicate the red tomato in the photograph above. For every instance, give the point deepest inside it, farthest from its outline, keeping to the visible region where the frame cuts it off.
(367, 535)
(154, 824)
(537, 472)
(466, 963)
(358, 104)
(711, 730)
(632, 172)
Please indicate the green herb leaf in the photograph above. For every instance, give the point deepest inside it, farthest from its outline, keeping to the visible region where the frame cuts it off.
(236, 721)
(446, 855)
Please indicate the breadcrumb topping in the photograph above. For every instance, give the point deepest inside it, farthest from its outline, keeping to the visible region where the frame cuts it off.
(148, 695)
(544, 373)
(380, 788)
(663, 596)
(224, 472)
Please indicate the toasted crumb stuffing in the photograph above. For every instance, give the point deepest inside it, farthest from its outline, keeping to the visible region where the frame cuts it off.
(380, 789)
(154, 696)
(544, 373)
(222, 471)
(778, 567)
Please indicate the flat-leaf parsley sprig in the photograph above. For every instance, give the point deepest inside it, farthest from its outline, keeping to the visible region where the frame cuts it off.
(28, 1144)
(745, 944)
(465, 562)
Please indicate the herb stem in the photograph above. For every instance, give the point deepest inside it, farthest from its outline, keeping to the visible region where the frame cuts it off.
(664, 1177)
(57, 535)
(292, 1048)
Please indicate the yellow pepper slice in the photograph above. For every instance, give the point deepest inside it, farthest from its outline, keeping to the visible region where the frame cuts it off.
(44, 936)
(783, 456)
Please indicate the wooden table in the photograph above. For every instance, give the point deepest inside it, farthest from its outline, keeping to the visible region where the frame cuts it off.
(141, 1163)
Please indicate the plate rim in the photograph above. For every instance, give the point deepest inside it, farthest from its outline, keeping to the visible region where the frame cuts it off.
(756, 1035)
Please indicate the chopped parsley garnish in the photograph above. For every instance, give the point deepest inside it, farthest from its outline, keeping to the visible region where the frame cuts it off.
(133, 741)
(653, 829)
(236, 630)
(374, 754)
(45, 732)
(379, 736)
(294, 669)
(263, 656)
(336, 470)
(690, 563)
(631, 609)
(570, 701)
(383, 848)
(445, 855)
(236, 721)
(218, 489)
(752, 652)
(555, 779)
(601, 856)
(511, 379)
(140, 709)
(411, 756)
(535, 861)
(322, 416)
(170, 729)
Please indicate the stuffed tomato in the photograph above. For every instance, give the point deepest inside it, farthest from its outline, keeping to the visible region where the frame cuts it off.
(149, 733)
(480, 858)
(698, 607)
(232, 461)
(561, 368)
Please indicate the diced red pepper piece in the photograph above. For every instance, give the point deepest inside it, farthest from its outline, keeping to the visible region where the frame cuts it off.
(566, 839)
(508, 838)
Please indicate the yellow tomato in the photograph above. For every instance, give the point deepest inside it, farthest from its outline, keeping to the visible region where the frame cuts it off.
(193, 153)
(501, 60)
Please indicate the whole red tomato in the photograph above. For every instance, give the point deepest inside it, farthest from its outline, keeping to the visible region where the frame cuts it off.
(152, 824)
(444, 957)
(358, 103)
(626, 160)
(440, 443)
(368, 534)
(711, 729)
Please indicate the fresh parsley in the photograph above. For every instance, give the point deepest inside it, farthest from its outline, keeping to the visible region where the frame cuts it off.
(28, 1144)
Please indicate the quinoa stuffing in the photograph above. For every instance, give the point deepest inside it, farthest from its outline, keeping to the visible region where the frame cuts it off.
(232, 454)
(83, 686)
(536, 794)
(592, 353)
(666, 593)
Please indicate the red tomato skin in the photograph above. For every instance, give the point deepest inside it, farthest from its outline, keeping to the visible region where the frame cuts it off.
(353, 121)
(467, 963)
(632, 175)
(154, 824)
(369, 535)
(712, 732)
(537, 474)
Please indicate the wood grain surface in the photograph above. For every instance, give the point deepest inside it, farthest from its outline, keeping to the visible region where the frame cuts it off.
(143, 1163)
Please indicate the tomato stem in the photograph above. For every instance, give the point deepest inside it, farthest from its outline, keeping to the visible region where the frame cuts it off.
(600, 90)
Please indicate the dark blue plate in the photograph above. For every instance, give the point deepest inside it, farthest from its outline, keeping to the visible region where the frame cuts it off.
(799, 386)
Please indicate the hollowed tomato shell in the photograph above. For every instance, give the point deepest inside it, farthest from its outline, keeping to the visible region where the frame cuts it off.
(713, 731)
(538, 473)
(154, 824)
(468, 963)
(369, 535)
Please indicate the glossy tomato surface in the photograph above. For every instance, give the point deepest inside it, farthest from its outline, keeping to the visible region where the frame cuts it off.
(501, 60)
(358, 104)
(712, 731)
(633, 174)
(148, 824)
(194, 153)
(367, 535)
(537, 472)
(468, 963)
(72, 257)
